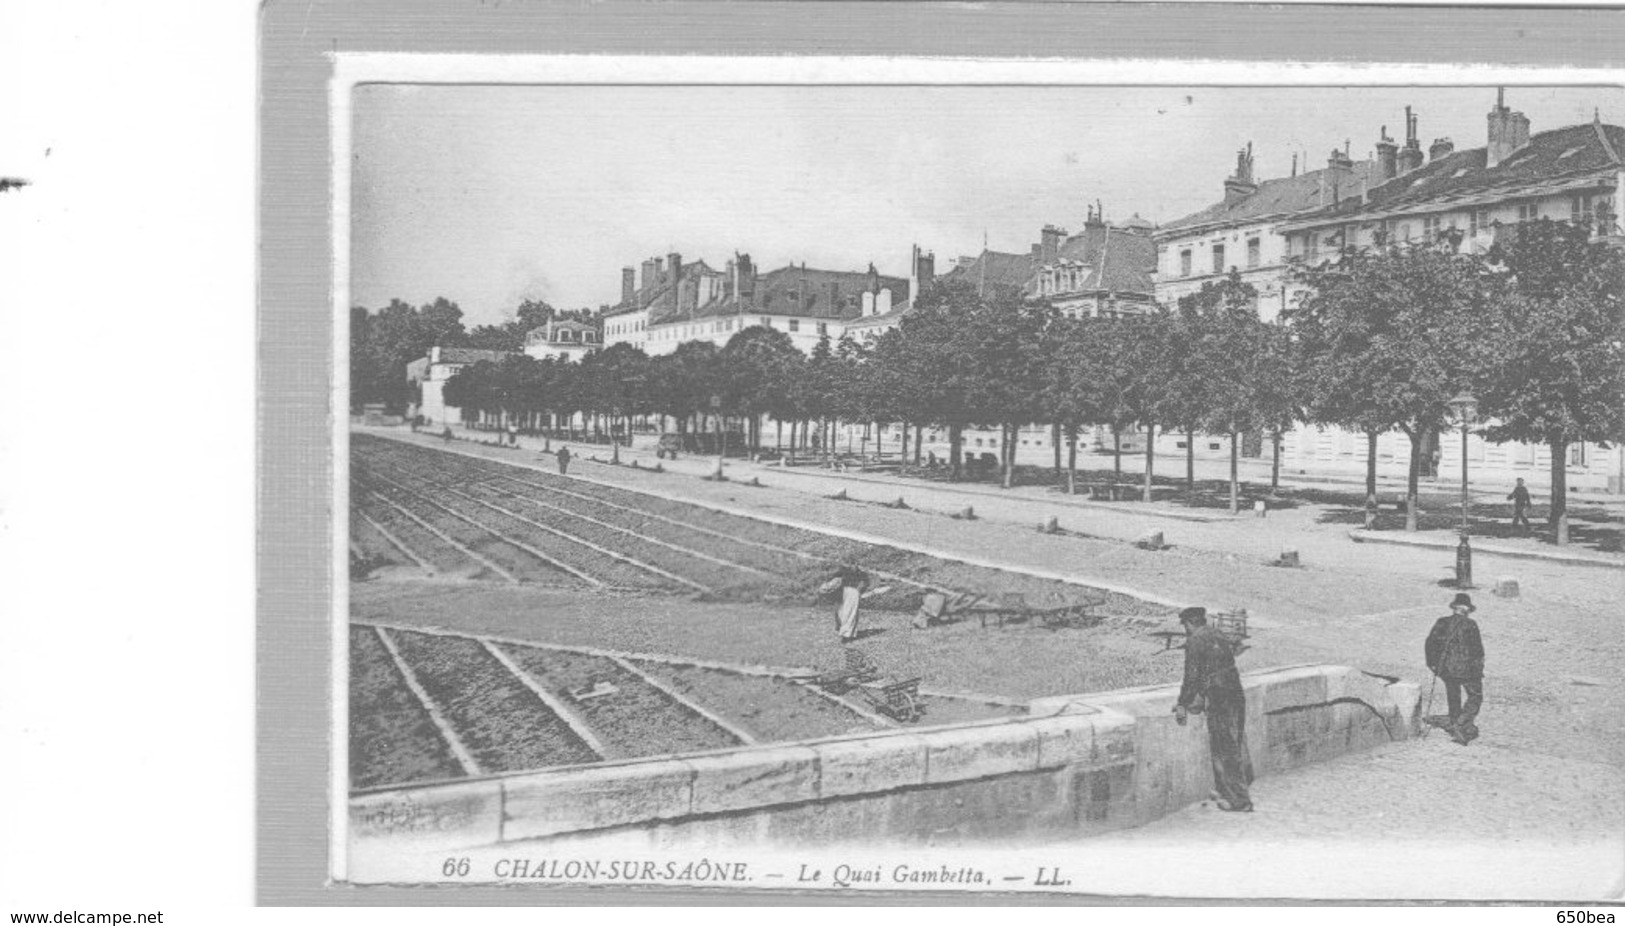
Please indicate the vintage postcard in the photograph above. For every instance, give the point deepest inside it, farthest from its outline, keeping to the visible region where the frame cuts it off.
(1012, 483)
(809, 476)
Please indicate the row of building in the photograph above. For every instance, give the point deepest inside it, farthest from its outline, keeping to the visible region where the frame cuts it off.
(1257, 229)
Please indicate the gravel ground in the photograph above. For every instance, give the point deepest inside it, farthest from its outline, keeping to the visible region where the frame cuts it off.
(1551, 758)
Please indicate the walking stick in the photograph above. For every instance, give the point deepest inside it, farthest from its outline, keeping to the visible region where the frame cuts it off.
(1428, 711)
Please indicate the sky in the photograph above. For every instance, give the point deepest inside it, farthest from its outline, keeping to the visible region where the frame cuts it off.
(490, 195)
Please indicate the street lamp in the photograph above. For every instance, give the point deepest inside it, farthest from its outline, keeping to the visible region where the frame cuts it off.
(1465, 406)
(722, 434)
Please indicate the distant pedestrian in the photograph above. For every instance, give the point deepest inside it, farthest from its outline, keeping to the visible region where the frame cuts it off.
(446, 434)
(1520, 505)
(1455, 655)
(1213, 685)
(513, 434)
(564, 460)
(851, 581)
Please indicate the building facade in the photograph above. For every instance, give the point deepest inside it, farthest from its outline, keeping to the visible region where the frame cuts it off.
(429, 375)
(563, 338)
(1401, 194)
(1241, 232)
(1570, 174)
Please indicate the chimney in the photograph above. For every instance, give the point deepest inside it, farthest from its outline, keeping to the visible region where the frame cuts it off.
(660, 270)
(675, 266)
(649, 269)
(1509, 131)
(1387, 157)
(1241, 185)
(1051, 238)
(1441, 147)
(923, 267)
(628, 285)
(1336, 183)
(1410, 157)
(745, 278)
(874, 278)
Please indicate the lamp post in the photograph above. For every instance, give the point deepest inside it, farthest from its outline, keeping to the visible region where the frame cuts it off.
(722, 434)
(1464, 405)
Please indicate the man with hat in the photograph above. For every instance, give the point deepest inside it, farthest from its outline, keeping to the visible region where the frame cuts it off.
(1213, 685)
(1455, 655)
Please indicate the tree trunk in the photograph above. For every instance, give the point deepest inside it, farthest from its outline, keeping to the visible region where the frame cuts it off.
(955, 438)
(1071, 461)
(1411, 480)
(902, 458)
(1150, 456)
(1009, 455)
(1558, 515)
(919, 437)
(1371, 480)
(1117, 456)
(1275, 465)
(1055, 441)
(1190, 462)
(1235, 472)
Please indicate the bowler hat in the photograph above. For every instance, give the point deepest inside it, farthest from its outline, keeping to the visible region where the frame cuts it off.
(1463, 599)
(1196, 615)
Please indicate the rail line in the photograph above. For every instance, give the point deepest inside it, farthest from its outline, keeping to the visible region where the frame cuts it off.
(396, 542)
(564, 535)
(641, 512)
(453, 542)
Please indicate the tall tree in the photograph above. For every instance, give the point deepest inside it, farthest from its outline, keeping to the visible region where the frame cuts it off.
(760, 365)
(1186, 404)
(1559, 375)
(1389, 335)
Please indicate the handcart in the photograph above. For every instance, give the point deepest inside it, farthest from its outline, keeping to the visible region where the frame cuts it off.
(898, 699)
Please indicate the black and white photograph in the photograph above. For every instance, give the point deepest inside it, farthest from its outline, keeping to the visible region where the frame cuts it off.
(1028, 487)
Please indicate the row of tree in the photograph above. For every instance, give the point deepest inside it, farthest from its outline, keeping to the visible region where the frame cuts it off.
(382, 343)
(1380, 340)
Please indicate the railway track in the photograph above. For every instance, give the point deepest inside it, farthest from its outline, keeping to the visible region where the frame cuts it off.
(747, 564)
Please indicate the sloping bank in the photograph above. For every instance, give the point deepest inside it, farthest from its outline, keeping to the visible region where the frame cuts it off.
(1074, 765)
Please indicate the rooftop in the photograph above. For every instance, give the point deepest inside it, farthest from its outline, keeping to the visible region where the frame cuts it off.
(1283, 196)
(1552, 161)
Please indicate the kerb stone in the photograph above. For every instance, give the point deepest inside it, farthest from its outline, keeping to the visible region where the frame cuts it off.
(439, 817)
(547, 803)
(753, 778)
(870, 764)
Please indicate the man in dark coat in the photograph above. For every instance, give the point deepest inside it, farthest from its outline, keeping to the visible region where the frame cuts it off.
(1455, 654)
(1520, 505)
(1212, 684)
(563, 457)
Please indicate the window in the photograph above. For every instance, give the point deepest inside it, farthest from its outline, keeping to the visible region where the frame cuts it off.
(1430, 228)
(1478, 222)
(1577, 454)
(1185, 263)
(1312, 249)
(1404, 231)
(1580, 210)
(1218, 258)
(1528, 212)
(795, 325)
(1254, 251)
(823, 329)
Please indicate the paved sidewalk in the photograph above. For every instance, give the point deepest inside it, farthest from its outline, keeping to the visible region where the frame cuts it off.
(1489, 549)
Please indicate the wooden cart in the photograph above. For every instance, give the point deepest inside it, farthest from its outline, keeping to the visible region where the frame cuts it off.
(898, 699)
